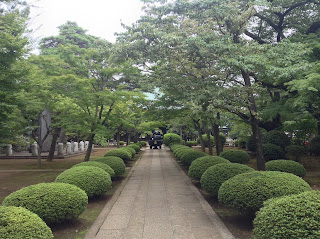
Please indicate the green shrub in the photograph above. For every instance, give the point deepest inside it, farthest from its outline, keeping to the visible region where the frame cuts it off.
(131, 150)
(241, 143)
(314, 145)
(115, 163)
(287, 166)
(200, 165)
(119, 153)
(142, 143)
(295, 216)
(236, 156)
(20, 223)
(214, 176)
(177, 150)
(121, 142)
(277, 138)
(171, 138)
(136, 147)
(180, 152)
(191, 143)
(247, 192)
(94, 181)
(191, 155)
(205, 140)
(53, 202)
(175, 146)
(295, 152)
(103, 166)
(251, 144)
(272, 152)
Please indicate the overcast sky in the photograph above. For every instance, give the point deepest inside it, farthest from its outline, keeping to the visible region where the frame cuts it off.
(101, 18)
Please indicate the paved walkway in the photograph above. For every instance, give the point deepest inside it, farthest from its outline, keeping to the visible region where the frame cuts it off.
(158, 201)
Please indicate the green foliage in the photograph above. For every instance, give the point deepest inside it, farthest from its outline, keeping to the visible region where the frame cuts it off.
(314, 145)
(115, 163)
(103, 166)
(119, 153)
(131, 150)
(295, 216)
(272, 152)
(175, 146)
(121, 142)
(276, 137)
(188, 157)
(53, 202)
(215, 176)
(20, 223)
(94, 181)
(191, 143)
(136, 147)
(295, 151)
(287, 166)
(200, 165)
(248, 191)
(142, 143)
(171, 138)
(236, 156)
(205, 140)
(251, 145)
(181, 151)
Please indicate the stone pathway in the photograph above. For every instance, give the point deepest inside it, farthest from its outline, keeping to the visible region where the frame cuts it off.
(158, 201)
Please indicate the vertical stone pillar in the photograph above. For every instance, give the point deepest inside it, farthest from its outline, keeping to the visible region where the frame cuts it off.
(75, 147)
(81, 146)
(68, 148)
(34, 149)
(60, 149)
(9, 150)
(86, 145)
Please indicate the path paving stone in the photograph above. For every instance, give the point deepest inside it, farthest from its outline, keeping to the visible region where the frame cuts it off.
(159, 201)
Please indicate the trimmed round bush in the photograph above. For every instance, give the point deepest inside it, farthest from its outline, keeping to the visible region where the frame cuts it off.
(288, 166)
(175, 146)
(276, 137)
(247, 192)
(200, 165)
(179, 153)
(180, 149)
(20, 223)
(295, 216)
(53, 202)
(135, 147)
(131, 150)
(272, 152)
(190, 156)
(94, 181)
(171, 138)
(103, 166)
(115, 163)
(119, 153)
(314, 145)
(216, 175)
(236, 156)
(295, 151)
(142, 143)
(191, 143)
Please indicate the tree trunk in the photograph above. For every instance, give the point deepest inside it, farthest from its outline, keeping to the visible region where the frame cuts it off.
(55, 137)
(39, 155)
(118, 139)
(208, 133)
(198, 128)
(88, 153)
(129, 139)
(217, 140)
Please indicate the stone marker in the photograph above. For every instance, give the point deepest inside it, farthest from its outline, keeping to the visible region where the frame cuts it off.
(9, 150)
(68, 149)
(75, 147)
(81, 146)
(34, 149)
(86, 144)
(60, 149)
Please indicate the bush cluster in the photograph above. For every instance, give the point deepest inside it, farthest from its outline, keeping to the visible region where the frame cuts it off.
(314, 145)
(125, 155)
(181, 151)
(275, 137)
(295, 216)
(251, 144)
(171, 138)
(200, 165)
(94, 181)
(20, 223)
(272, 152)
(142, 144)
(53, 202)
(214, 176)
(115, 163)
(247, 192)
(205, 140)
(103, 166)
(236, 156)
(136, 147)
(295, 152)
(287, 166)
(191, 143)
(190, 155)
(131, 150)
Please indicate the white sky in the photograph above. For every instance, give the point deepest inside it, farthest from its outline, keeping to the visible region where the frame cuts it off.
(102, 18)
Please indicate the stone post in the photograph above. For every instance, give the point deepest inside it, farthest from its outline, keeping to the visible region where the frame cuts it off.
(9, 150)
(68, 150)
(75, 147)
(86, 145)
(81, 146)
(60, 149)
(34, 149)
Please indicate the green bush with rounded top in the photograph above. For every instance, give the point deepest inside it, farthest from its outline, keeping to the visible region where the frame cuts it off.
(236, 156)
(294, 216)
(175, 146)
(276, 137)
(216, 175)
(272, 152)
(288, 166)
(200, 165)
(115, 163)
(53, 202)
(119, 153)
(190, 156)
(136, 147)
(171, 138)
(142, 143)
(179, 153)
(191, 143)
(20, 223)
(94, 181)
(131, 150)
(248, 191)
(104, 166)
